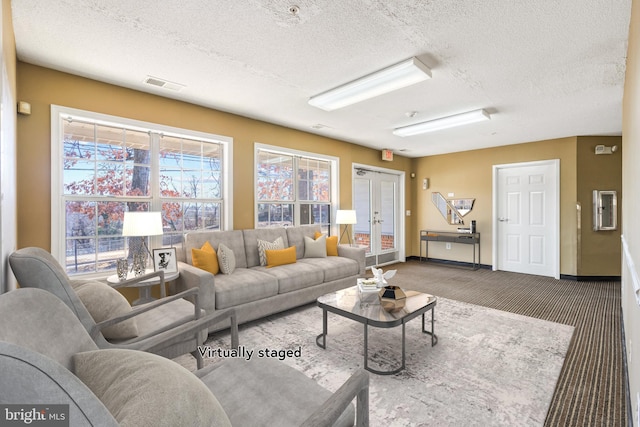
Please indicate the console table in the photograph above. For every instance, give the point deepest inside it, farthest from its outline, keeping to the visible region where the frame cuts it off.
(473, 239)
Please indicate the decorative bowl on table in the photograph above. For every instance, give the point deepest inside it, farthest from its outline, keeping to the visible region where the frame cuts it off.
(392, 298)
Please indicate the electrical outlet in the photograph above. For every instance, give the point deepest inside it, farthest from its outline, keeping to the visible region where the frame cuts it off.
(448, 246)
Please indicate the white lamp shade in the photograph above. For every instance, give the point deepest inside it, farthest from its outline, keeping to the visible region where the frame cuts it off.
(346, 217)
(142, 224)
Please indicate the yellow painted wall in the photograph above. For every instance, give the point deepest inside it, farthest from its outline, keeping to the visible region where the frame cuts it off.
(8, 44)
(43, 87)
(469, 175)
(599, 252)
(8, 234)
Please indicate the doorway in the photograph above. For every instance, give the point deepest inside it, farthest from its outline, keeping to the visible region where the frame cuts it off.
(378, 198)
(526, 218)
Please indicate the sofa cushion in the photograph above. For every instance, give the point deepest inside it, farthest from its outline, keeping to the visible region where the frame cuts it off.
(243, 286)
(226, 259)
(315, 248)
(332, 244)
(206, 258)
(170, 315)
(251, 236)
(264, 245)
(234, 240)
(334, 267)
(103, 303)
(142, 388)
(292, 277)
(296, 235)
(276, 257)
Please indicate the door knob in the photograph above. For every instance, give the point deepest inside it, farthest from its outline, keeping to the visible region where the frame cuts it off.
(503, 219)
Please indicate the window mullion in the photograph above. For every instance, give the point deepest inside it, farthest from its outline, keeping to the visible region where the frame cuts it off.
(296, 191)
(154, 145)
(156, 203)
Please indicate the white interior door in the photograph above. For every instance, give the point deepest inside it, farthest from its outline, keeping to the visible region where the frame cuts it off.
(377, 201)
(526, 218)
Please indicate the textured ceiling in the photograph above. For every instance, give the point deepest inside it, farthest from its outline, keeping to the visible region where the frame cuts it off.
(544, 69)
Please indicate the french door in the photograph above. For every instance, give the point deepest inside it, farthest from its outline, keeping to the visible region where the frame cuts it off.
(377, 200)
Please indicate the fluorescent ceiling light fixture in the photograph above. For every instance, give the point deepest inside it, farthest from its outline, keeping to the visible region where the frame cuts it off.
(395, 77)
(443, 123)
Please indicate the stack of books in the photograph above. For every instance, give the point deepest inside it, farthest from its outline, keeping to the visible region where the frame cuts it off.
(368, 285)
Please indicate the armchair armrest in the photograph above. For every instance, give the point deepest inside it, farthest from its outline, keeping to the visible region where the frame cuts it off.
(144, 308)
(357, 386)
(179, 334)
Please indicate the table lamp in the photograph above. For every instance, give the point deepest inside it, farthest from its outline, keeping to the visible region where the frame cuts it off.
(346, 217)
(142, 224)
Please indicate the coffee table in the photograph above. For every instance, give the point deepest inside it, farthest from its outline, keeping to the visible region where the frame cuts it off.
(366, 309)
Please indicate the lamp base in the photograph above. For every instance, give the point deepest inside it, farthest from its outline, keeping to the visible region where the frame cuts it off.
(348, 235)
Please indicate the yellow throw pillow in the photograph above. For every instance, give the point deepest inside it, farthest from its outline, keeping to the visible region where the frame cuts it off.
(281, 256)
(332, 244)
(205, 258)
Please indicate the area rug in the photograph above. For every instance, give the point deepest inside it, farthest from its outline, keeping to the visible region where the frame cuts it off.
(489, 367)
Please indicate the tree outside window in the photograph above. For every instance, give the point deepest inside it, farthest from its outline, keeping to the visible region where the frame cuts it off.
(292, 190)
(109, 169)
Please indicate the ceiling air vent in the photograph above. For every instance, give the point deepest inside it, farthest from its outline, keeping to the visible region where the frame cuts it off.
(154, 81)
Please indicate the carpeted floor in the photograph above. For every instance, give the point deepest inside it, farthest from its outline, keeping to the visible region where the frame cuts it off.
(591, 387)
(590, 390)
(489, 368)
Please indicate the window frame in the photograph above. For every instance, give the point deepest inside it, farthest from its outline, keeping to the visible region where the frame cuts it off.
(60, 113)
(334, 199)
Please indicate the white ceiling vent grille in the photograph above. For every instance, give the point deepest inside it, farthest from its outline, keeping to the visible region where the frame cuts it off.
(155, 81)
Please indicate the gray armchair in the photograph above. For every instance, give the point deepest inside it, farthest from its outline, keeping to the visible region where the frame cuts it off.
(44, 362)
(105, 314)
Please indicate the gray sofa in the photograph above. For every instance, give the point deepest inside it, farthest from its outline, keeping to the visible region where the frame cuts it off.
(255, 291)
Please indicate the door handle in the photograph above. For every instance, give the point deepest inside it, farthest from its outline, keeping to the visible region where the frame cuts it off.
(503, 219)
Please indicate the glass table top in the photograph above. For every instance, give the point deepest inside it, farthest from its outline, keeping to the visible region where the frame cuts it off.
(365, 306)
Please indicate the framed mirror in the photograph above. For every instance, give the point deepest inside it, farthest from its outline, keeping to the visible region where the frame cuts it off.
(452, 210)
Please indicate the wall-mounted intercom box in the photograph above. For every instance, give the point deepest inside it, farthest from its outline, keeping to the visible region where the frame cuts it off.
(605, 210)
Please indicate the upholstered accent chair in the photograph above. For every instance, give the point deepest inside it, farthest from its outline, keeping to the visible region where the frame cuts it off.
(46, 362)
(107, 316)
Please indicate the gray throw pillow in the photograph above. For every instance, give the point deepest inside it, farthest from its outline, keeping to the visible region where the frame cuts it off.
(264, 245)
(103, 303)
(143, 389)
(315, 248)
(226, 259)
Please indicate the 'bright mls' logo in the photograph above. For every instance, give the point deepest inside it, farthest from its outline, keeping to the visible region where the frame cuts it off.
(34, 415)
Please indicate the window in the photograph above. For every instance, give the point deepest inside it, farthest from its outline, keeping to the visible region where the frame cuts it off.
(294, 188)
(103, 166)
